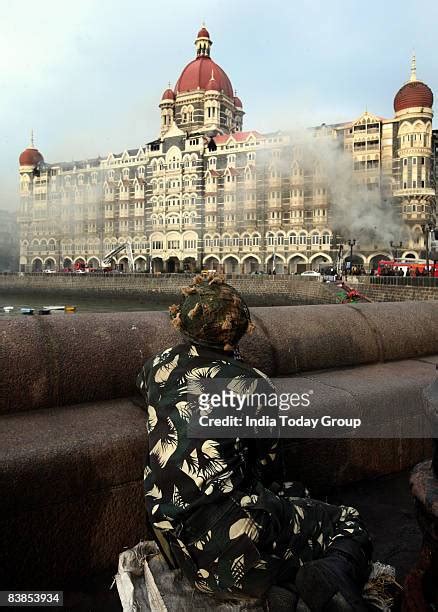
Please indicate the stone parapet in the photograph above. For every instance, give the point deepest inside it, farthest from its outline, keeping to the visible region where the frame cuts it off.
(55, 361)
(73, 435)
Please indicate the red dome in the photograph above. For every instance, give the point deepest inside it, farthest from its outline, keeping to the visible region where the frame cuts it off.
(30, 157)
(168, 95)
(413, 94)
(238, 102)
(203, 33)
(197, 74)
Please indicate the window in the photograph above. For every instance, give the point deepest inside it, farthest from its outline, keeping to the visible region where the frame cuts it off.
(405, 162)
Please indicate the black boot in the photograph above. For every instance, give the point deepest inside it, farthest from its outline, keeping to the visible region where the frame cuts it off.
(334, 583)
(281, 599)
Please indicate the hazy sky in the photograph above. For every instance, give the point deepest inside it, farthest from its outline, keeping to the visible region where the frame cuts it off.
(88, 75)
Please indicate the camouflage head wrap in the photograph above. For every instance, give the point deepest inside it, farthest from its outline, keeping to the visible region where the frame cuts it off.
(212, 313)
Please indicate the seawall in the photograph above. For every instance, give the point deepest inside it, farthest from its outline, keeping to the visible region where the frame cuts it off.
(257, 290)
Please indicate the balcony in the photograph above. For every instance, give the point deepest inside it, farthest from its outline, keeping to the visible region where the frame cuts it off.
(274, 222)
(274, 204)
(418, 191)
(230, 206)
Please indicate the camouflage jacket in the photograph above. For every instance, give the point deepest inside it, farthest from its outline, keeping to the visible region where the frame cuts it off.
(183, 473)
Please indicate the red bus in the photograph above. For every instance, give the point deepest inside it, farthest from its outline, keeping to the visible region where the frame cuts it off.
(413, 267)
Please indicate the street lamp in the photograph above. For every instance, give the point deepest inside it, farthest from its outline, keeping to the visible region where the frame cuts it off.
(351, 244)
(394, 248)
(427, 228)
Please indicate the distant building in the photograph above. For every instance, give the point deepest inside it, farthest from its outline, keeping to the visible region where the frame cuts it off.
(9, 244)
(206, 194)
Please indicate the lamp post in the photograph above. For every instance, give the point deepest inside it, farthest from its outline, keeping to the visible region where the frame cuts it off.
(351, 244)
(394, 248)
(427, 228)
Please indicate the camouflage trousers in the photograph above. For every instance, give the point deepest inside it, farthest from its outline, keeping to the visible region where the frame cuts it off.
(253, 540)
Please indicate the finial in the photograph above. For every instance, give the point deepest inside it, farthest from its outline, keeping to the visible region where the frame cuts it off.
(169, 85)
(32, 140)
(413, 68)
(212, 75)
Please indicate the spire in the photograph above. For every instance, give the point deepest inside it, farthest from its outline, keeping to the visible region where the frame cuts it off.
(32, 140)
(413, 68)
(203, 42)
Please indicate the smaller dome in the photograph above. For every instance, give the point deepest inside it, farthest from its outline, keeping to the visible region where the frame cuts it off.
(238, 102)
(203, 33)
(412, 95)
(168, 95)
(30, 157)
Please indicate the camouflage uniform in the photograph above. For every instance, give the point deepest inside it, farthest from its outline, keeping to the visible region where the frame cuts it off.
(211, 497)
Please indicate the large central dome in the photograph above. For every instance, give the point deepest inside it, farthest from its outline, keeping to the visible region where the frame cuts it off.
(199, 74)
(203, 72)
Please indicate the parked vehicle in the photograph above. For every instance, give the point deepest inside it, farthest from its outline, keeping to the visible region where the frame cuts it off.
(311, 273)
(407, 267)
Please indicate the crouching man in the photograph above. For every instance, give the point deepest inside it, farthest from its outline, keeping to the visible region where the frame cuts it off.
(212, 499)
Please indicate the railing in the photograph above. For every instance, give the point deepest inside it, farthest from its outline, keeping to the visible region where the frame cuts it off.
(155, 275)
(403, 281)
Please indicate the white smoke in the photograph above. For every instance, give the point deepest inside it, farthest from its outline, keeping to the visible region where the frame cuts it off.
(355, 211)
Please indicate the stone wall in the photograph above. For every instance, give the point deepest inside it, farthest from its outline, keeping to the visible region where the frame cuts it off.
(257, 290)
(397, 293)
(73, 429)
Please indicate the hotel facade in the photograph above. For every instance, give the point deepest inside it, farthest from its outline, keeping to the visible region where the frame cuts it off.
(207, 194)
